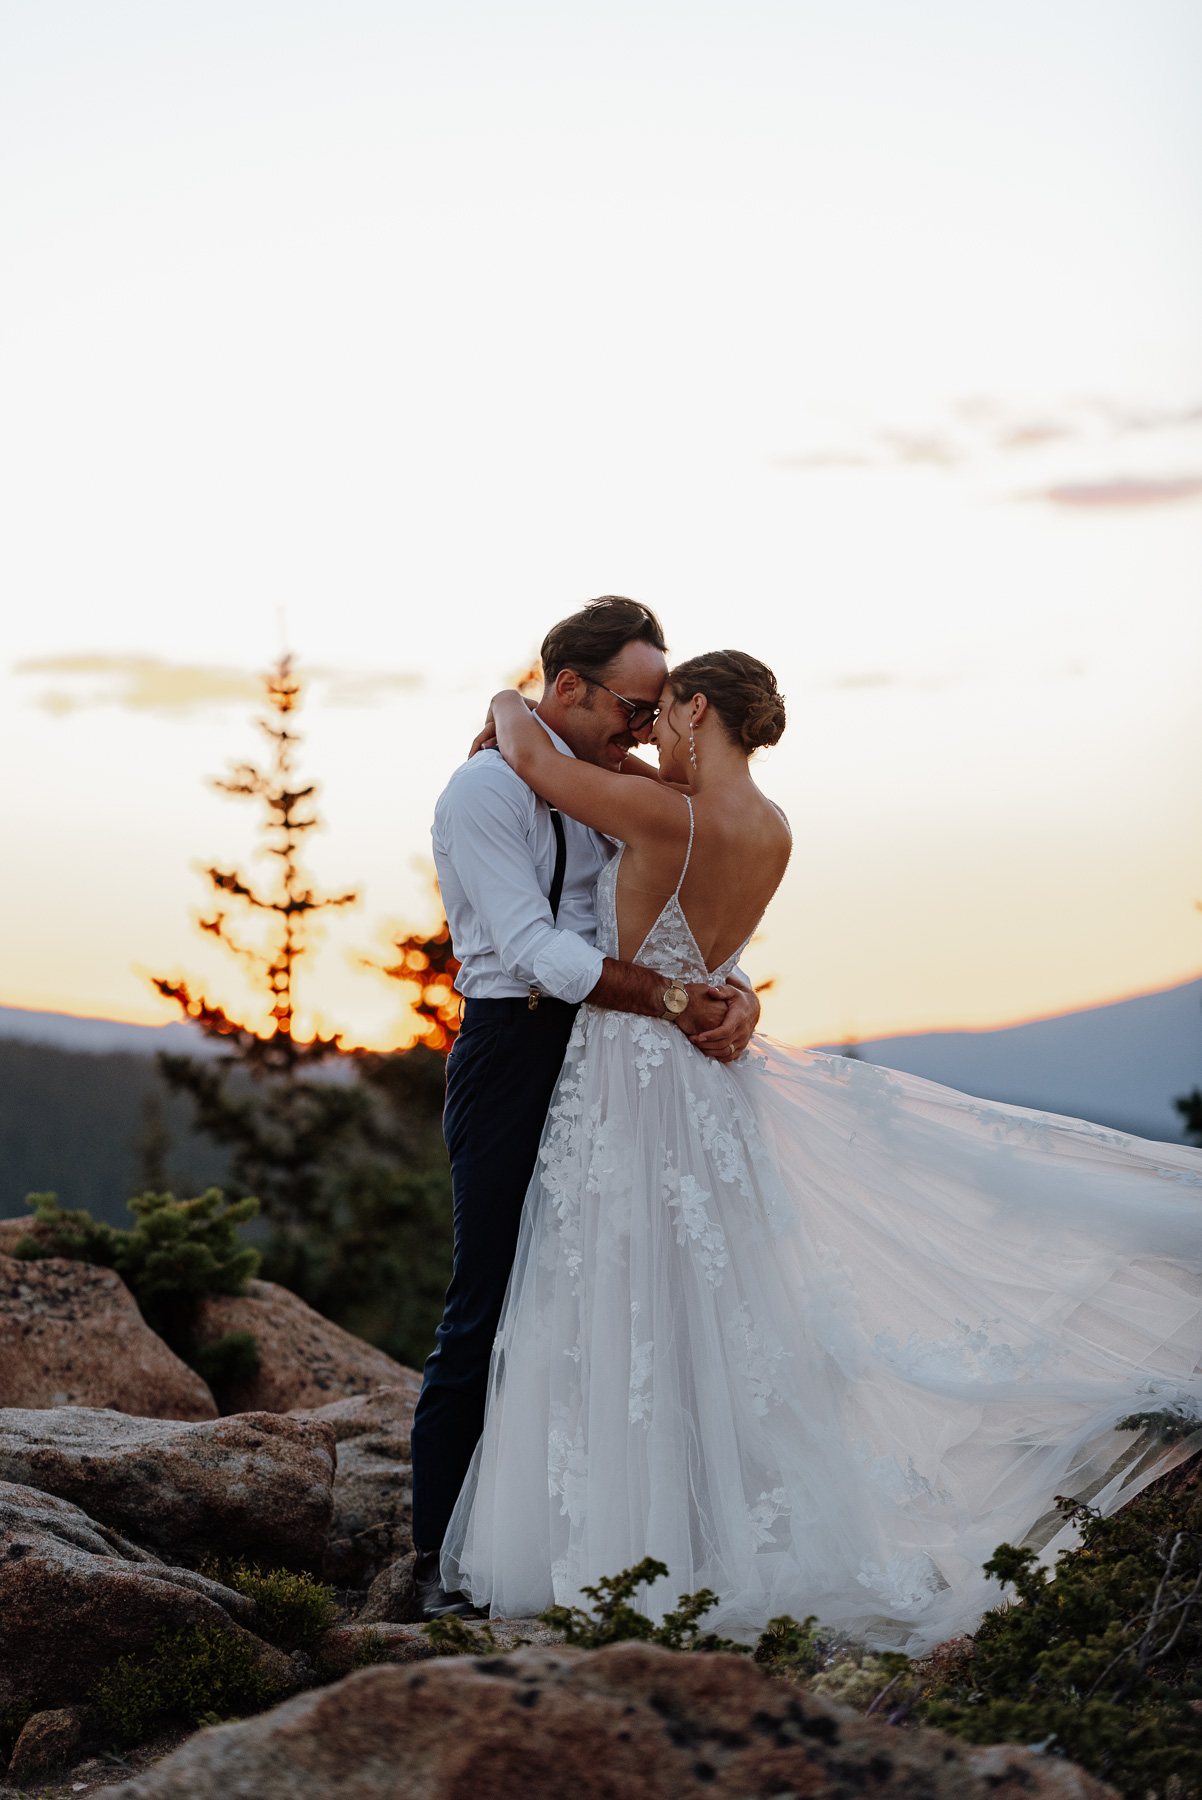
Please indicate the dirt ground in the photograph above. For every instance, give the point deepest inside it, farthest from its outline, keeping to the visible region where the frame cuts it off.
(95, 1773)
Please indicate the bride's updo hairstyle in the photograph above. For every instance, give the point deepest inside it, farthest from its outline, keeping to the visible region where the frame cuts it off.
(742, 691)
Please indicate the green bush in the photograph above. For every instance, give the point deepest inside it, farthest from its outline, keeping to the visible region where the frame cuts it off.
(1100, 1661)
(866, 1680)
(76, 1235)
(455, 1637)
(1170, 1426)
(196, 1676)
(785, 1647)
(613, 1620)
(370, 1650)
(292, 1609)
(177, 1252)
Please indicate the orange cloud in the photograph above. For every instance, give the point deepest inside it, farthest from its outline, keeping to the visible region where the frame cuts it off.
(147, 684)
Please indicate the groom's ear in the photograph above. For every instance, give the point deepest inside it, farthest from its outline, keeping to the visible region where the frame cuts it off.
(568, 688)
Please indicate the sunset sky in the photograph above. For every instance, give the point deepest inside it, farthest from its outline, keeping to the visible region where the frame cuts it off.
(860, 334)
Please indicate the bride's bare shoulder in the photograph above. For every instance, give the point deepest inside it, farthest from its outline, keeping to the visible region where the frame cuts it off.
(746, 824)
(767, 816)
(771, 834)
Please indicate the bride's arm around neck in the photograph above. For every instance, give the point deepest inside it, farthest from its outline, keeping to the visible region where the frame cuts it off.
(612, 803)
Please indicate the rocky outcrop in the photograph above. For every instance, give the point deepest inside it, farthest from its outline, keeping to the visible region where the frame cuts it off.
(13, 1230)
(385, 1411)
(71, 1335)
(392, 1596)
(256, 1485)
(76, 1595)
(304, 1360)
(633, 1721)
(347, 1647)
(48, 1741)
(373, 1487)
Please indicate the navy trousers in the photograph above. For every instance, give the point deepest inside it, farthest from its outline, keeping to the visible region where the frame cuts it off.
(501, 1074)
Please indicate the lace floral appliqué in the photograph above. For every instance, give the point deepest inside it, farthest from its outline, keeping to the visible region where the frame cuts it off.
(649, 1046)
(964, 1355)
(567, 1471)
(694, 1225)
(758, 1360)
(763, 1516)
(719, 1142)
(639, 1409)
(905, 1583)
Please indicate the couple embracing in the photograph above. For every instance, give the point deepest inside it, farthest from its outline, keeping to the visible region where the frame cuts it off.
(816, 1335)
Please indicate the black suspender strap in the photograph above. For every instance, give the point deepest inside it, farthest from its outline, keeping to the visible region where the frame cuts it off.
(561, 860)
(556, 894)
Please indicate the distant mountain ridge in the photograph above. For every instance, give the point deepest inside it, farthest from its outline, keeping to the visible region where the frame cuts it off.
(66, 1031)
(1119, 1065)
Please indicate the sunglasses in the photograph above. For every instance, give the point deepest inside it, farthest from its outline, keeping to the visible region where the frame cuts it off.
(638, 714)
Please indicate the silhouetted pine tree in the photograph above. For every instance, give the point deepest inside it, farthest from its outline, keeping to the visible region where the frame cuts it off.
(428, 967)
(282, 1130)
(351, 1173)
(151, 1146)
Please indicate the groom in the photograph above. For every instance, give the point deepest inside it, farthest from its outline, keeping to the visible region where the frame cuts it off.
(518, 880)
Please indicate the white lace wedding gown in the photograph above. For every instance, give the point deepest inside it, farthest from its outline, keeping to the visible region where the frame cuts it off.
(815, 1334)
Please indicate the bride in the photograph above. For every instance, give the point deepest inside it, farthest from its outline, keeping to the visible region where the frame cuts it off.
(815, 1334)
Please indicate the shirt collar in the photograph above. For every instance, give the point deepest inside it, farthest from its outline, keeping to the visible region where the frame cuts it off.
(554, 737)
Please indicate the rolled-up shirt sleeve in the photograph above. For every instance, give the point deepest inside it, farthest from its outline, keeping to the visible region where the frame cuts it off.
(486, 836)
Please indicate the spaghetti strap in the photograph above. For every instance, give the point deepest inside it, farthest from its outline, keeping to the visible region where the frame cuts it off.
(689, 851)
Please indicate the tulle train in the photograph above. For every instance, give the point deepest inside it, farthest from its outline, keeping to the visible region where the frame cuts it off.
(819, 1336)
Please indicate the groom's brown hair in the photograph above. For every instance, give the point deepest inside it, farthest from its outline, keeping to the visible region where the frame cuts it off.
(593, 636)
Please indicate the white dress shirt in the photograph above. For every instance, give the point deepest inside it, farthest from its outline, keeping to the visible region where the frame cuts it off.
(494, 850)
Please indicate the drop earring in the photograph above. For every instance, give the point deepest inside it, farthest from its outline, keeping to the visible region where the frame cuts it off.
(692, 746)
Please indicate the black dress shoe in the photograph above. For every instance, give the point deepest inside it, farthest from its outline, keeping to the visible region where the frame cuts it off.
(432, 1597)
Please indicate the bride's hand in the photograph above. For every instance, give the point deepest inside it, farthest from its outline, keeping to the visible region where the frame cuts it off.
(728, 1040)
(486, 738)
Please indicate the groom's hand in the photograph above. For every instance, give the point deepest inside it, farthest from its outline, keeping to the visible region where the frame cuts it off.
(731, 1037)
(629, 987)
(718, 1020)
(706, 1011)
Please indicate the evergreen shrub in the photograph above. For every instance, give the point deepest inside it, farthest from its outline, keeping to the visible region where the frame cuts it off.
(177, 1252)
(198, 1676)
(370, 1650)
(613, 1620)
(1099, 1661)
(453, 1636)
(292, 1610)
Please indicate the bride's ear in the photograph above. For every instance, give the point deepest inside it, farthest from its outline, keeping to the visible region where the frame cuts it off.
(698, 707)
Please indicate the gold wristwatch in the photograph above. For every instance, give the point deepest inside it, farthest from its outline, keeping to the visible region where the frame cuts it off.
(675, 1002)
